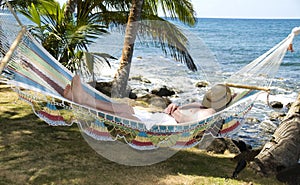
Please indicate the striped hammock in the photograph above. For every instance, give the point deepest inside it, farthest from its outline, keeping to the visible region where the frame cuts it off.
(40, 79)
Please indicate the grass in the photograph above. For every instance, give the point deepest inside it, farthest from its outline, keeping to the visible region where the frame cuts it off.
(31, 152)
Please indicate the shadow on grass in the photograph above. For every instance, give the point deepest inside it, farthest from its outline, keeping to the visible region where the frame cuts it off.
(32, 152)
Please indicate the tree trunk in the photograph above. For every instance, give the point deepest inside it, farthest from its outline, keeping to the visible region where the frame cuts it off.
(122, 75)
(283, 151)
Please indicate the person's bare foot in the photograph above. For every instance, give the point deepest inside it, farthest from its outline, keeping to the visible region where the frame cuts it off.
(74, 92)
(68, 92)
(77, 91)
(79, 95)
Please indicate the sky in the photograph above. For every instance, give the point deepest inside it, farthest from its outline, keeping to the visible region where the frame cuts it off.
(245, 8)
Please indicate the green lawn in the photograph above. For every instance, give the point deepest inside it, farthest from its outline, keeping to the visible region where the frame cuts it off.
(31, 152)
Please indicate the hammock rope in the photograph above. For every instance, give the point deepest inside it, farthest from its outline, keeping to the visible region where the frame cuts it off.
(31, 67)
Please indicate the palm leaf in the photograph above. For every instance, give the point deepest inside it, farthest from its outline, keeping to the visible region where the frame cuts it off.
(169, 38)
(179, 9)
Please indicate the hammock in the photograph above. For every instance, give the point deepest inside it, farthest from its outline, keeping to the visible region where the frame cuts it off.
(40, 79)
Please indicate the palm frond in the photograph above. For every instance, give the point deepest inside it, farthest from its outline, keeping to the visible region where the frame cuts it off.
(176, 9)
(113, 18)
(115, 5)
(168, 37)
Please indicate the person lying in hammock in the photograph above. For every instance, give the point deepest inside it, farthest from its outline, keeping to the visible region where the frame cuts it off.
(217, 98)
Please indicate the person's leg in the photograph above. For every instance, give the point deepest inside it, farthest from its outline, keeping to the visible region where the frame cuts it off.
(76, 93)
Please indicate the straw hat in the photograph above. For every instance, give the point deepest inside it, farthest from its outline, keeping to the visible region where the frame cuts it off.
(217, 97)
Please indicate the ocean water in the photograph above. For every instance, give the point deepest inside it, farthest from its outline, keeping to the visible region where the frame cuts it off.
(219, 47)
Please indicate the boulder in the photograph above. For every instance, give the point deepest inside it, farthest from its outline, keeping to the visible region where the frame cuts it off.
(201, 84)
(154, 100)
(275, 116)
(252, 120)
(220, 145)
(163, 91)
(276, 105)
(106, 88)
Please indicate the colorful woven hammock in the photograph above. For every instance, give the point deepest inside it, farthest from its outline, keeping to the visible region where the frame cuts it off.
(39, 79)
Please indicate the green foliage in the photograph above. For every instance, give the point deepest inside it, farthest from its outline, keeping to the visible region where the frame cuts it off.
(63, 36)
(180, 9)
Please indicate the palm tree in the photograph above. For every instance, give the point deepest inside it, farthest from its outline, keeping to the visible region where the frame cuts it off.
(170, 38)
(62, 34)
(176, 41)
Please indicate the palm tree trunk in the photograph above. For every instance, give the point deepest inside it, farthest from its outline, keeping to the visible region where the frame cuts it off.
(121, 77)
(283, 151)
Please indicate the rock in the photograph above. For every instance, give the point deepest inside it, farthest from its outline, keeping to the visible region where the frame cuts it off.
(154, 100)
(220, 145)
(201, 84)
(140, 92)
(163, 91)
(140, 78)
(132, 95)
(217, 146)
(275, 116)
(288, 106)
(104, 87)
(276, 104)
(252, 120)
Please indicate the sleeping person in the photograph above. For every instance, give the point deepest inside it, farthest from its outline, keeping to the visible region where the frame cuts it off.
(216, 99)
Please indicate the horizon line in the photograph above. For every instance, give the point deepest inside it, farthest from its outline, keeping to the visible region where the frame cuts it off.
(224, 17)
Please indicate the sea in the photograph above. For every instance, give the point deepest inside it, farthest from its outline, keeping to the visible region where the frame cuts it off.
(219, 47)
